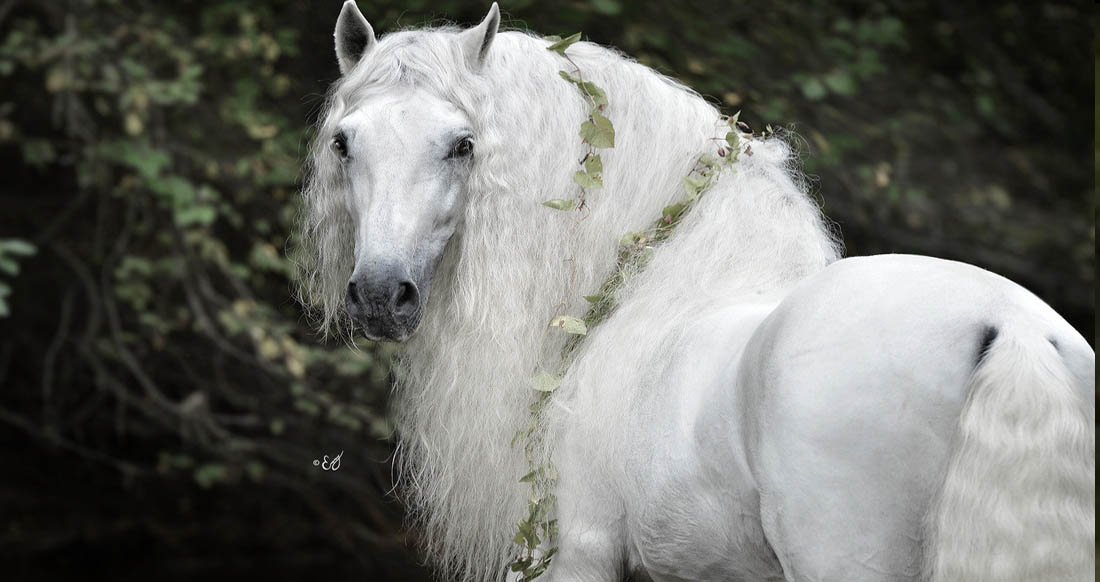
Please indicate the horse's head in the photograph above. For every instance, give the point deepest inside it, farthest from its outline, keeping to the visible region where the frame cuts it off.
(404, 158)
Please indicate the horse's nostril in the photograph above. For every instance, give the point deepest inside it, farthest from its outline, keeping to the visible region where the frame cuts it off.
(405, 298)
(352, 295)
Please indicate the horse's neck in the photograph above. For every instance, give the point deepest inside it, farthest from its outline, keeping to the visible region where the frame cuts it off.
(661, 130)
(516, 262)
(755, 233)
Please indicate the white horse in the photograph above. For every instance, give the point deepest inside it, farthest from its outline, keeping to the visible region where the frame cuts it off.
(755, 409)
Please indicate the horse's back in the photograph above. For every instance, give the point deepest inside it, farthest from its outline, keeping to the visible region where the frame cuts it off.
(850, 395)
(883, 305)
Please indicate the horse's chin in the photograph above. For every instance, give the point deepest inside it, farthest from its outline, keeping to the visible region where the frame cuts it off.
(400, 339)
(388, 332)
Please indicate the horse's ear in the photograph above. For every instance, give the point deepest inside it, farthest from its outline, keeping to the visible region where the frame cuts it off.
(475, 41)
(354, 37)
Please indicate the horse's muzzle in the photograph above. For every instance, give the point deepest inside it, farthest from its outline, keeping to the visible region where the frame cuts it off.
(384, 302)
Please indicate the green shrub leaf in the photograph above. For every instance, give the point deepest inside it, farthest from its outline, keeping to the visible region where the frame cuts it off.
(586, 180)
(570, 324)
(560, 46)
(598, 131)
(560, 204)
(544, 382)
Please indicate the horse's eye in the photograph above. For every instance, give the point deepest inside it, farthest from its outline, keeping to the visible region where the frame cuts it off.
(340, 145)
(462, 148)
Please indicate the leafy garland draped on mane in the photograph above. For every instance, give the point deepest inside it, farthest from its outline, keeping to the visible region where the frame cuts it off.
(461, 392)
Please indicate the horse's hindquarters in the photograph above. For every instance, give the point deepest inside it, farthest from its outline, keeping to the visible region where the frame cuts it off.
(853, 397)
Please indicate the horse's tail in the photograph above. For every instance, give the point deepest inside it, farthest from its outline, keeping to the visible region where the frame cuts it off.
(1017, 501)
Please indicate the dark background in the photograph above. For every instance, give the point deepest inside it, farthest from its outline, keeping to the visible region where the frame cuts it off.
(161, 397)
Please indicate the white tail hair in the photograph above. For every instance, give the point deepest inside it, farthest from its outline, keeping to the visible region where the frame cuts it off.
(1017, 502)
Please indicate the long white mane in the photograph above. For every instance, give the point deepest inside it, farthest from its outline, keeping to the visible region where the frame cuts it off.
(462, 390)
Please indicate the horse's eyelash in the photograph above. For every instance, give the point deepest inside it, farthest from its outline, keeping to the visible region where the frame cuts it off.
(453, 152)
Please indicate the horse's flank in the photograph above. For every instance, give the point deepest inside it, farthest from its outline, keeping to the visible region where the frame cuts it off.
(462, 389)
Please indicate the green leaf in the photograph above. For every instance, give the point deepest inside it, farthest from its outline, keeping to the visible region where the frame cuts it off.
(17, 246)
(544, 382)
(632, 239)
(307, 407)
(131, 264)
(137, 154)
(527, 535)
(529, 477)
(570, 324)
(560, 46)
(608, 7)
(841, 83)
(38, 152)
(209, 474)
(595, 94)
(733, 139)
(694, 185)
(592, 91)
(673, 212)
(593, 298)
(265, 256)
(175, 190)
(202, 215)
(543, 506)
(593, 165)
(9, 266)
(586, 180)
(560, 204)
(598, 131)
(520, 434)
(813, 89)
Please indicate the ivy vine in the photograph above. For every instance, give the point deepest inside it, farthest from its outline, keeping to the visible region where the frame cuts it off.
(540, 527)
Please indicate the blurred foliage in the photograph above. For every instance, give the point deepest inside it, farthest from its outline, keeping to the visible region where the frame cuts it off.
(171, 395)
(11, 251)
(160, 158)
